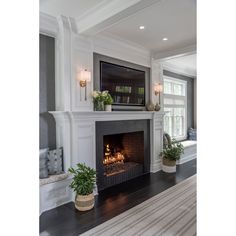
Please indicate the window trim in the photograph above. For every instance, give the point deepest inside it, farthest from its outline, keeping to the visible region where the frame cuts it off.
(173, 96)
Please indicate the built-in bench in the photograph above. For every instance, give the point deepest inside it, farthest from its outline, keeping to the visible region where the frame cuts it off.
(190, 151)
(54, 191)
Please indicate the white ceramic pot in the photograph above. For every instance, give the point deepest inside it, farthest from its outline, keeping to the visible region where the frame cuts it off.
(107, 107)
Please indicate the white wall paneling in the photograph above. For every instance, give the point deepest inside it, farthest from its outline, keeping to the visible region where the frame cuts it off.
(82, 58)
(156, 77)
(121, 49)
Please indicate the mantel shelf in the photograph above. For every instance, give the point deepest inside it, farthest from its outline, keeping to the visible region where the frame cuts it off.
(104, 115)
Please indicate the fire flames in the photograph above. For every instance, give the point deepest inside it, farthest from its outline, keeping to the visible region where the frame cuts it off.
(117, 157)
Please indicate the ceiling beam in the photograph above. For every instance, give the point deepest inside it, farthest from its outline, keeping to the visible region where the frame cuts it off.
(107, 13)
(175, 53)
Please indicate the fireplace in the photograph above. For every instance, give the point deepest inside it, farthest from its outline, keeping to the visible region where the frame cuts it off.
(122, 151)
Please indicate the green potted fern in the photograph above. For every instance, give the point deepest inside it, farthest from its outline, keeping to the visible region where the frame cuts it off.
(83, 182)
(170, 155)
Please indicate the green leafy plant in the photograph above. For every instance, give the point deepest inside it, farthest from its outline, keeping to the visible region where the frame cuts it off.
(108, 99)
(84, 179)
(173, 152)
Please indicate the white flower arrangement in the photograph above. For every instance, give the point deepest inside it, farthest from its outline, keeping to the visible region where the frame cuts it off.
(99, 96)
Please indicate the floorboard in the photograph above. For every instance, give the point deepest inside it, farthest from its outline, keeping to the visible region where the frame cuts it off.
(67, 221)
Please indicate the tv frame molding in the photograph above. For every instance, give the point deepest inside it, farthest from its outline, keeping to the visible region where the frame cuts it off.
(96, 75)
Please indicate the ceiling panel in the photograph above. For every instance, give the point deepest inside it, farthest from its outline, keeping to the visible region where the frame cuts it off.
(174, 19)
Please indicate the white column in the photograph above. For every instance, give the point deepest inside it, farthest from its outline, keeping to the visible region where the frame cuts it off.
(156, 141)
(63, 82)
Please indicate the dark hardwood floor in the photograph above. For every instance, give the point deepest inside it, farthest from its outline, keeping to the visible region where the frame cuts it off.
(67, 221)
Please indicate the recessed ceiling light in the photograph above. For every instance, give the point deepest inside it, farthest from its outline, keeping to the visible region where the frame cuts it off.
(165, 39)
(141, 27)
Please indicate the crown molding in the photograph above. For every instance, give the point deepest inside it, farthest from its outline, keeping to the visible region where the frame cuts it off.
(48, 24)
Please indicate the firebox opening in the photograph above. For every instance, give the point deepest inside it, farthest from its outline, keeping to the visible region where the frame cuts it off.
(123, 152)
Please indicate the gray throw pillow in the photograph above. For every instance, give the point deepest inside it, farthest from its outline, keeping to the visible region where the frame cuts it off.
(43, 163)
(55, 161)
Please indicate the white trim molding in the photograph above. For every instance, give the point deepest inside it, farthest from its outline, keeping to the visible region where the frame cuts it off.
(175, 53)
(48, 25)
(179, 70)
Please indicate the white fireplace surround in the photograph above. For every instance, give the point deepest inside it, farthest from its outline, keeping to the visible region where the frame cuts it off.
(75, 132)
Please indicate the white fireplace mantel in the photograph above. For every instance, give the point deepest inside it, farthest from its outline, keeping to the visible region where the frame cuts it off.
(105, 116)
(76, 134)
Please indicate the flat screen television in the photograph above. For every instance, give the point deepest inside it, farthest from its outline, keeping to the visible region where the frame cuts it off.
(126, 85)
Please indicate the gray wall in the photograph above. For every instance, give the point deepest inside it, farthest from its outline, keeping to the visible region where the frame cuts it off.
(47, 127)
(191, 96)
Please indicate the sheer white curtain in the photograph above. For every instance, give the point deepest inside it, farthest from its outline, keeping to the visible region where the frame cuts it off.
(175, 107)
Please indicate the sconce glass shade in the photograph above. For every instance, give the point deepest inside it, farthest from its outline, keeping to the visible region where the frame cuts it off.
(158, 88)
(85, 75)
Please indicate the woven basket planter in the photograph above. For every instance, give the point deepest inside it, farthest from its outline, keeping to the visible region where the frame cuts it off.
(168, 165)
(84, 202)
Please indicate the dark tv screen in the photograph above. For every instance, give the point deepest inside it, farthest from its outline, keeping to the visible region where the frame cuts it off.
(126, 85)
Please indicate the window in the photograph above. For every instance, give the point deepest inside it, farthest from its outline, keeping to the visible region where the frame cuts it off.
(175, 107)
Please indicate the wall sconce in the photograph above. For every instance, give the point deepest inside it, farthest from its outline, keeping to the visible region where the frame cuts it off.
(157, 90)
(84, 78)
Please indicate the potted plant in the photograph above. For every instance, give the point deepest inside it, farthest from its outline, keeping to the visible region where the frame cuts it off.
(98, 99)
(83, 182)
(108, 101)
(170, 154)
